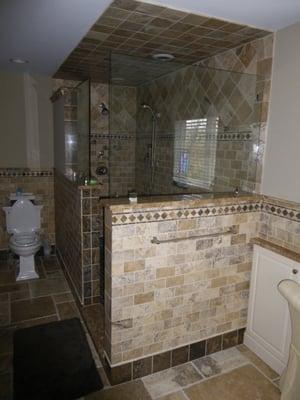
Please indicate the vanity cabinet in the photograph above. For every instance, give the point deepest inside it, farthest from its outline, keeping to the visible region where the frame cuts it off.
(268, 330)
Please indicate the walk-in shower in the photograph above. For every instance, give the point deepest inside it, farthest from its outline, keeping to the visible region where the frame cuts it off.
(177, 128)
(164, 128)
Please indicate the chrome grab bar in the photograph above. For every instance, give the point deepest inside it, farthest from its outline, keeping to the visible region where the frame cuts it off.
(232, 230)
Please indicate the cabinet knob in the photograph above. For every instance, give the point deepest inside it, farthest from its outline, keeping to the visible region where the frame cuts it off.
(295, 271)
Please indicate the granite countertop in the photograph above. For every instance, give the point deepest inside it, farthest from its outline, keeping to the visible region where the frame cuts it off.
(117, 205)
(283, 251)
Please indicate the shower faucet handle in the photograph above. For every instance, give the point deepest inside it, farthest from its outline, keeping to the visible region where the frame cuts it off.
(101, 170)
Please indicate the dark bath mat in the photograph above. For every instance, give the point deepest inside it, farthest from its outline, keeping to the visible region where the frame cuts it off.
(53, 361)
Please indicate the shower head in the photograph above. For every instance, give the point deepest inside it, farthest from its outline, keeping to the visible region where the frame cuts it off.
(103, 109)
(146, 106)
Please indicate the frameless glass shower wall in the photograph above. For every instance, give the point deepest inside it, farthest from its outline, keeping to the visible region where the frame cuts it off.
(72, 129)
(191, 129)
(207, 131)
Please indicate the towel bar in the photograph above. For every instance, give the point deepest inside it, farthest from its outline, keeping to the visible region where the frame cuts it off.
(230, 231)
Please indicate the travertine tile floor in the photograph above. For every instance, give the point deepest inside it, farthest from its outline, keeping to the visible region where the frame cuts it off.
(36, 302)
(233, 374)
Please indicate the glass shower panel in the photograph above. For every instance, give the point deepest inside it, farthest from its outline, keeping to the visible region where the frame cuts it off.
(83, 130)
(193, 129)
(76, 145)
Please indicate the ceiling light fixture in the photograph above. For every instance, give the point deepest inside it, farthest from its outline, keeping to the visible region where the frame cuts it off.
(18, 61)
(163, 57)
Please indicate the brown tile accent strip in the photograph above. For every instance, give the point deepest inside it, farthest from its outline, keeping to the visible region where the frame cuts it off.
(149, 365)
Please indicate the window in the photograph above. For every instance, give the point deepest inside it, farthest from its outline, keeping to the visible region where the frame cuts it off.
(195, 147)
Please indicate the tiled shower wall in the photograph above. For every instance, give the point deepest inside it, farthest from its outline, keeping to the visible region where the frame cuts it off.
(254, 58)
(239, 100)
(113, 137)
(39, 182)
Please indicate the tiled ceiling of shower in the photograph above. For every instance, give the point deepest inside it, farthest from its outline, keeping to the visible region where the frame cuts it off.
(141, 29)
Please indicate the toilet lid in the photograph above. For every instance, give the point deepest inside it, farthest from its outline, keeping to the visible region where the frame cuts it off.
(24, 239)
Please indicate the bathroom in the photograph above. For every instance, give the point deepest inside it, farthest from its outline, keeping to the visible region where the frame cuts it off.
(149, 204)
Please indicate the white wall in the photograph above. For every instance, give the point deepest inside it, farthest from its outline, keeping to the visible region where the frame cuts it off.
(26, 127)
(281, 175)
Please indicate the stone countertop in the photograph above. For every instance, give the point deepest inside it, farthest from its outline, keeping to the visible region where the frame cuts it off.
(177, 201)
(283, 251)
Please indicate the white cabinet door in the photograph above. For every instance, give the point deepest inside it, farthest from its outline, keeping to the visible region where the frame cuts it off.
(268, 325)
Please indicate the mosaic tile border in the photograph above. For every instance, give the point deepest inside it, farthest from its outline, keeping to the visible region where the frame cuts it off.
(158, 362)
(14, 172)
(156, 215)
(184, 213)
(215, 137)
(283, 212)
(111, 136)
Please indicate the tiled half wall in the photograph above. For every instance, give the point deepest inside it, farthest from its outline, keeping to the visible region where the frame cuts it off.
(78, 237)
(39, 182)
(161, 297)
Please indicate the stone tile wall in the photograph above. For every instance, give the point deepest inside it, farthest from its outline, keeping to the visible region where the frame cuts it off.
(91, 242)
(159, 297)
(280, 223)
(79, 227)
(68, 229)
(113, 135)
(39, 182)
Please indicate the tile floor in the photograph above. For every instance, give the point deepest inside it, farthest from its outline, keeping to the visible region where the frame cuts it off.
(233, 374)
(24, 304)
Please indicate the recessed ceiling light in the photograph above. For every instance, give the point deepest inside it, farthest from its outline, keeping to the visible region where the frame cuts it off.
(163, 57)
(18, 61)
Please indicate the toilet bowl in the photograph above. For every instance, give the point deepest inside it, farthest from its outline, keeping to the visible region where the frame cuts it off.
(290, 379)
(23, 224)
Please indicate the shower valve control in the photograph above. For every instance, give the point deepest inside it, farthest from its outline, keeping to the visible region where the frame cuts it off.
(101, 170)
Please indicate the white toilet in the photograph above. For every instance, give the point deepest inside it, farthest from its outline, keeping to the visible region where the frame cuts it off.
(23, 222)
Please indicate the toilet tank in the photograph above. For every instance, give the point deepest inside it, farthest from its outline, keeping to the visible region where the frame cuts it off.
(23, 216)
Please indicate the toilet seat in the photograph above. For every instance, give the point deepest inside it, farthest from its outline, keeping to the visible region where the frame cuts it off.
(24, 239)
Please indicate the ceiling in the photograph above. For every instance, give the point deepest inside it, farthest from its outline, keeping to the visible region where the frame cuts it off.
(46, 31)
(264, 14)
(142, 30)
(43, 31)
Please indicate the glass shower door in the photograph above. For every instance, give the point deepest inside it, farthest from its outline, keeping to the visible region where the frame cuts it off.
(83, 130)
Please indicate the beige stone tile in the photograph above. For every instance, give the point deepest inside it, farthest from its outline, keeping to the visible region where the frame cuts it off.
(143, 298)
(220, 362)
(174, 396)
(68, 310)
(45, 287)
(128, 391)
(244, 383)
(30, 309)
(261, 365)
(171, 380)
(62, 297)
